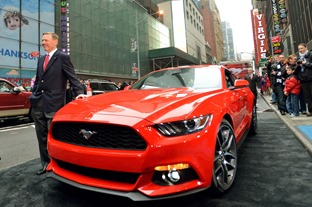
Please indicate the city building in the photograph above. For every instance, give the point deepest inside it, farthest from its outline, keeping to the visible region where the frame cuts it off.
(100, 36)
(219, 35)
(113, 40)
(229, 49)
(110, 39)
(300, 17)
(288, 23)
(212, 29)
(186, 26)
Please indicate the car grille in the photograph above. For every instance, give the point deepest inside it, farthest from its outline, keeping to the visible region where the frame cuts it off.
(104, 135)
(122, 177)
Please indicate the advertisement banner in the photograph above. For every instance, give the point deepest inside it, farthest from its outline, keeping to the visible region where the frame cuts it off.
(260, 33)
(20, 38)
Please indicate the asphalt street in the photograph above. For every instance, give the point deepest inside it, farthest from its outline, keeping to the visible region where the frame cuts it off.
(274, 169)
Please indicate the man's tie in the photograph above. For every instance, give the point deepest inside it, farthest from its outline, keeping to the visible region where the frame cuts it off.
(46, 61)
(250, 76)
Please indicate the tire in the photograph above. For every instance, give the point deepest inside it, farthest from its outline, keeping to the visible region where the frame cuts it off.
(225, 161)
(254, 122)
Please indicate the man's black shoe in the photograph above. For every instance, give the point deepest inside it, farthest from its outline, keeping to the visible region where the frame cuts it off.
(42, 170)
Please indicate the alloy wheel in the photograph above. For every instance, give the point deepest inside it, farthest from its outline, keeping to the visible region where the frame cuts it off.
(225, 162)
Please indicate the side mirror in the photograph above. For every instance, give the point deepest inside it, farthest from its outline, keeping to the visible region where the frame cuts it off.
(239, 83)
(127, 87)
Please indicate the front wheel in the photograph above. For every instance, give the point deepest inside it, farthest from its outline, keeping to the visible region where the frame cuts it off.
(225, 161)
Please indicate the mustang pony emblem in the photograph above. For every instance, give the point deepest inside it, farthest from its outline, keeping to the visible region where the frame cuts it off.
(87, 134)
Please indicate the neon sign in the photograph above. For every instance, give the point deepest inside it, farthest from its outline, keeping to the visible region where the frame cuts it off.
(276, 20)
(65, 26)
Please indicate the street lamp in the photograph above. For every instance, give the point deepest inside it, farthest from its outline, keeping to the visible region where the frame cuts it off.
(137, 34)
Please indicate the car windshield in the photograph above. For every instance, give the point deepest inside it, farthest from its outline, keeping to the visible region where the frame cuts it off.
(196, 78)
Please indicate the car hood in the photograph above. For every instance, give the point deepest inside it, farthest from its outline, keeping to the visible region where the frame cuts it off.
(158, 105)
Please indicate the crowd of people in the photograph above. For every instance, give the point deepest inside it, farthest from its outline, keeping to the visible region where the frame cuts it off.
(289, 82)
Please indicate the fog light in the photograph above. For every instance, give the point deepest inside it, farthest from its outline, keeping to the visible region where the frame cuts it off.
(178, 166)
(174, 176)
(167, 175)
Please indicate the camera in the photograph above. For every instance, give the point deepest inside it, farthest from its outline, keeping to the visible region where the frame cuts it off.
(299, 62)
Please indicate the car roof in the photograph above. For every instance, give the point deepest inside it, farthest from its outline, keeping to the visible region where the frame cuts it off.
(6, 80)
(99, 81)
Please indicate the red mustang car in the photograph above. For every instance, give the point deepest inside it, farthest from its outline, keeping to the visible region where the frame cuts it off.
(14, 101)
(174, 132)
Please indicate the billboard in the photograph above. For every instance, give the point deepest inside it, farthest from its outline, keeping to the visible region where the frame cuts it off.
(21, 27)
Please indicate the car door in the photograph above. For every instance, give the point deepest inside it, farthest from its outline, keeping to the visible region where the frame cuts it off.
(238, 104)
(12, 104)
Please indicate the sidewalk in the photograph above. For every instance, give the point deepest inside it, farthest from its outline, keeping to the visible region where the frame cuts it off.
(300, 126)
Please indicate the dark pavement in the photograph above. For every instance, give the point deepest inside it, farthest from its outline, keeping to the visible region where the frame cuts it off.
(274, 169)
(300, 126)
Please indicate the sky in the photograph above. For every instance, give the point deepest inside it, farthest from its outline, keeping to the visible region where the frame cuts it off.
(237, 13)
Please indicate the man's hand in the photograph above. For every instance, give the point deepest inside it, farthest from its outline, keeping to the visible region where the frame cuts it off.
(82, 96)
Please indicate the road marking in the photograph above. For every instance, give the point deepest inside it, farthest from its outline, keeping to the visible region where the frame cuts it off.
(21, 126)
(12, 129)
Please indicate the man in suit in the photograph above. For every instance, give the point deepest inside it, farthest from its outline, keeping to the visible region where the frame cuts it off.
(253, 81)
(49, 90)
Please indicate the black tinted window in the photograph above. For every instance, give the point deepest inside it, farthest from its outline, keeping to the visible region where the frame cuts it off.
(94, 86)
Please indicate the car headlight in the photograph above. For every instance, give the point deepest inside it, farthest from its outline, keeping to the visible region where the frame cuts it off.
(183, 127)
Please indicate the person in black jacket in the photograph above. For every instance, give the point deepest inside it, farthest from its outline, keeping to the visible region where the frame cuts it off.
(304, 70)
(253, 81)
(271, 67)
(49, 91)
(277, 80)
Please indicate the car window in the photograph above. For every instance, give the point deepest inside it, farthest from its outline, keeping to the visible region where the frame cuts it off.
(229, 79)
(111, 87)
(94, 86)
(197, 78)
(102, 86)
(5, 87)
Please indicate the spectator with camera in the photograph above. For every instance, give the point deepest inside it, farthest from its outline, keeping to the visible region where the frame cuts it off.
(277, 71)
(304, 70)
(292, 62)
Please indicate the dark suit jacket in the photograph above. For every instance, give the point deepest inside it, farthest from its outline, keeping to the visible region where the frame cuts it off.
(252, 83)
(50, 86)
